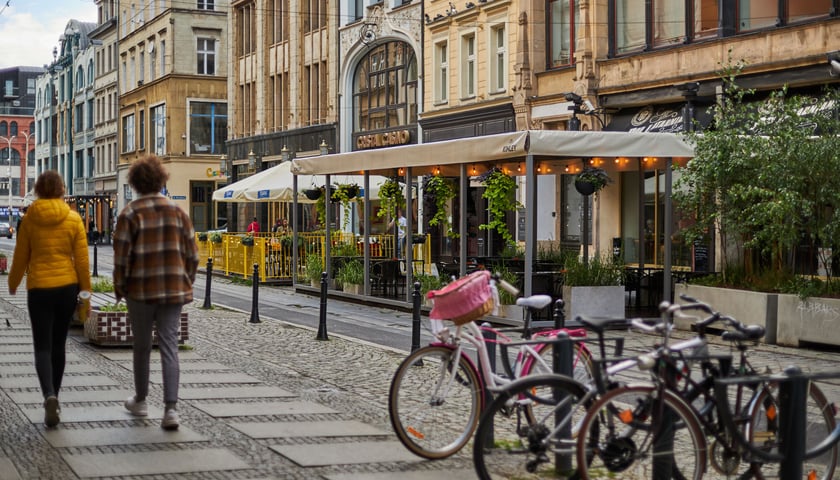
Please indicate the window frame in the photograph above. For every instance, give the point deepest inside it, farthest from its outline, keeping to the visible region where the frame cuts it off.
(206, 57)
(128, 133)
(468, 63)
(498, 58)
(441, 78)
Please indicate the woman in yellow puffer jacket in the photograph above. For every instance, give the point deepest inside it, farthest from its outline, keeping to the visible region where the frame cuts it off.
(52, 251)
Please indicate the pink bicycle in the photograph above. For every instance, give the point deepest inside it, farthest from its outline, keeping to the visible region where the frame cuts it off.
(438, 392)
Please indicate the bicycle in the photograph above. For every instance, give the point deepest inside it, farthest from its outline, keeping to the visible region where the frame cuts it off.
(438, 393)
(659, 430)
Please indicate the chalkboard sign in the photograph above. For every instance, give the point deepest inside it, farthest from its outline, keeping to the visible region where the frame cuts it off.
(701, 257)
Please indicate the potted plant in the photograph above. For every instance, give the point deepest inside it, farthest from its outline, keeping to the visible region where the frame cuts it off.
(594, 287)
(351, 276)
(345, 193)
(591, 180)
(499, 193)
(427, 284)
(108, 323)
(215, 237)
(247, 240)
(314, 268)
(202, 236)
(440, 191)
(312, 193)
(506, 300)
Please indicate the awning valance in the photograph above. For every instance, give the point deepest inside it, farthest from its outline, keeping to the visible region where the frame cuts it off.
(513, 146)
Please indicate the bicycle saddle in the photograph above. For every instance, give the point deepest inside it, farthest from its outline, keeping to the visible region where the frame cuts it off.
(534, 301)
(750, 332)
(599, 324)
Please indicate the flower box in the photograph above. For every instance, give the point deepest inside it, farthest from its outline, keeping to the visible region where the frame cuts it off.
(114, 329)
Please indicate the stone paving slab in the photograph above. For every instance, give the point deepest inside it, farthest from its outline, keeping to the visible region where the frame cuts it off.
(91, 414)
(17, 339)
(69, 381)
(258, 391)
(262, 408)
(153, 463)
(27, 357)
(73, 396)
(336, 428)
(119, 436)
(219, 378)
(126, 354)
(30, 369)
(346, 453)
(16, 348)
(416, 475)
(185, 366)
(8, 470)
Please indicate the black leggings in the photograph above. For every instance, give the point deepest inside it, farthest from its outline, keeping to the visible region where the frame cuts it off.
(50, 312)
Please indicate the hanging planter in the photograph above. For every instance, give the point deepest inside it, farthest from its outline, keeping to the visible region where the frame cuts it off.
(591, 180)
(499, 192)
(390, 199)
(440, 191)
(312, 193)
(248, 241)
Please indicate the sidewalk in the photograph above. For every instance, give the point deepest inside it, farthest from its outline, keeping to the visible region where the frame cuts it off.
(258, 401)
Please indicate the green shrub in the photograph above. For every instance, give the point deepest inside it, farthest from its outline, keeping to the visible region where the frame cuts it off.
(102, 285)
(599, 271)
(351, 273)
(314, 267)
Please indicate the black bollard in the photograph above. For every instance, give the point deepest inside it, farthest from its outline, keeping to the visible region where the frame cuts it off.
(559, 314)
(255, 300)
(208, 277)
(95, 270)
(322, 321)
(793, 393)
(490, 342)
(415, 318)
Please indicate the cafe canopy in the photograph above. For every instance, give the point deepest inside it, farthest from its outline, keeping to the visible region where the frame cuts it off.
(521, 151)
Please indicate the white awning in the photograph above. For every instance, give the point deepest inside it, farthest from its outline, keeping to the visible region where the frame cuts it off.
(513, 146)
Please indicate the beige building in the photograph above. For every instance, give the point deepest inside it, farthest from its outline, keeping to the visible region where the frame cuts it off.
(282, 90)
(172, 69)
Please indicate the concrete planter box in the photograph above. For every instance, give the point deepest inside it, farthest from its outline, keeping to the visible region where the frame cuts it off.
(813, 320)
(607, 302)
(114, 329)
(750, 308)
(352, 288)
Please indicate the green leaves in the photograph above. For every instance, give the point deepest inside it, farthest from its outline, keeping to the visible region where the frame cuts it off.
(500, 195)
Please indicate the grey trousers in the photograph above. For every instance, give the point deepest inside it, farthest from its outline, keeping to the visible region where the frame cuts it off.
(167, 319)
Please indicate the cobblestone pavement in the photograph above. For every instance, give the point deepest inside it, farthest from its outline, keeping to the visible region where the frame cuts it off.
(347, 380)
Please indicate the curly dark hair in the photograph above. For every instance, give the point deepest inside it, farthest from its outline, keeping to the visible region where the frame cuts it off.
(49, 185)
(147, 175)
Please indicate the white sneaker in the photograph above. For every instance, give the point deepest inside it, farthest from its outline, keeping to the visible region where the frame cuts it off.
(170, 420)
(138, 409)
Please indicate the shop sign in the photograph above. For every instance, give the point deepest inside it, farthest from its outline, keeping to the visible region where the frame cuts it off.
(386, 139)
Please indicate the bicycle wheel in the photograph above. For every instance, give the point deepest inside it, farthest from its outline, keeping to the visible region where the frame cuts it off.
(764, 425)
(628, 434)
(508, 446)
(581, 362)
(435, 405)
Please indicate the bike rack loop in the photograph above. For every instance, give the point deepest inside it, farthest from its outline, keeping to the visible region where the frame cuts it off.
(793, 394)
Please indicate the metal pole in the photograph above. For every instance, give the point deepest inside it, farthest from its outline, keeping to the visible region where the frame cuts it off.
(792, 394)
(415, 318)
(490, 342)
(209, 278)
(95, 261)
(562, 359)
(255, 298)
(322, 320)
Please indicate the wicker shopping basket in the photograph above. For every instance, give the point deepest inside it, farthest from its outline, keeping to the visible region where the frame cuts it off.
(464, 300)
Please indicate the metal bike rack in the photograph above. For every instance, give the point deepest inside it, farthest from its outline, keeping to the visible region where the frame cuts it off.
(793, 395)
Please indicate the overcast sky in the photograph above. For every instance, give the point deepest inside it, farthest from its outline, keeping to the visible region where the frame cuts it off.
(29, 29)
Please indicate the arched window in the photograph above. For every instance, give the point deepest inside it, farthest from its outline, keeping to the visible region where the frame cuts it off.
(90, 72)
(80, 78)
(385, 88)
(4, 157)
(31, 128)
(13, 128)
(4, 129)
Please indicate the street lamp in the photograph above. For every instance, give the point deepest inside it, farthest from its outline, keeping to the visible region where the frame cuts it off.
(9, 141)
(25, 189)
(223, 165)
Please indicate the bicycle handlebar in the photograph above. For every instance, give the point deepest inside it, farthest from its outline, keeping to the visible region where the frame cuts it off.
(714, 316)
(505, 285)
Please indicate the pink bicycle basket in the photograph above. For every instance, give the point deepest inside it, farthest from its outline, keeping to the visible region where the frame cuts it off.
(463, 300)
